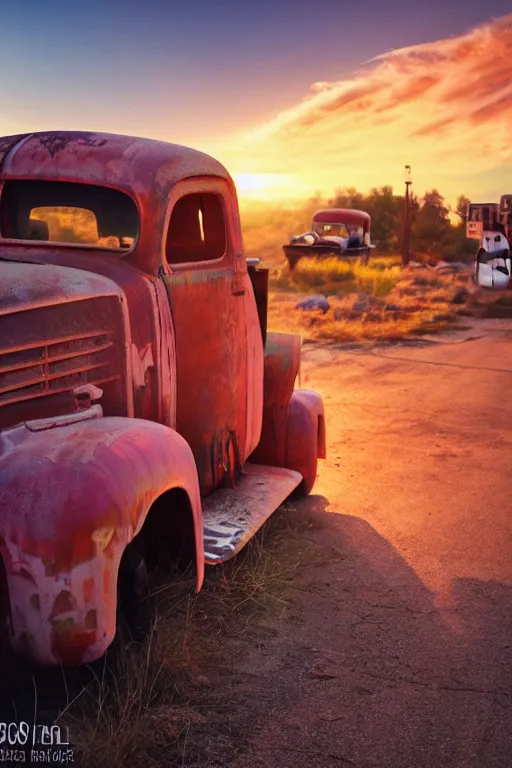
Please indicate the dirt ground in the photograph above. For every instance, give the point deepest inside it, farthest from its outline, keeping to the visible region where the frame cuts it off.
(394, 648)
(386, 638)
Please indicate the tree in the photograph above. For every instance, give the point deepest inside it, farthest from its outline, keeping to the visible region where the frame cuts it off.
(386, 210)
(347, 197)
(431, 231)
(461, 209)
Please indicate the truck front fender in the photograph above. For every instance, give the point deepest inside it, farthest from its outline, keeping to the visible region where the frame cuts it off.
(71, 498)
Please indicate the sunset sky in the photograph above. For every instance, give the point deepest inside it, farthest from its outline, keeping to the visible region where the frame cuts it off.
(293, 98)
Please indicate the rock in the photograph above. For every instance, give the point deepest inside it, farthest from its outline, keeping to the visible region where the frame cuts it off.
(460, 266)
(460, 297)
(314, 302)
(415, 265)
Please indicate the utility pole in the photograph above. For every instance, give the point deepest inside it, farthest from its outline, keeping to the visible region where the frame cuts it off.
(407, 218)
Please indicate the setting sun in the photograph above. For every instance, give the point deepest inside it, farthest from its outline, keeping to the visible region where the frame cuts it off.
(269, 186)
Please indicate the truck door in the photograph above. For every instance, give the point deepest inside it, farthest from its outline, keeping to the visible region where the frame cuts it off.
(206, 284)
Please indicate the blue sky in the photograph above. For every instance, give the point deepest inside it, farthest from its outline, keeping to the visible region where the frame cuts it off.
(183, 70)
(210, 73)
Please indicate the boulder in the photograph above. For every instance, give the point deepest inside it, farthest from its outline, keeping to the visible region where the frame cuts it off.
(460, 266)
(415, 265)
(314, 302)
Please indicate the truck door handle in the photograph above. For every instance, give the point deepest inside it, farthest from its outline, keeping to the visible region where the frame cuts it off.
(241, 292)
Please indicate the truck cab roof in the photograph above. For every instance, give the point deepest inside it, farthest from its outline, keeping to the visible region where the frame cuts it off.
(137, 166)
(126, 185)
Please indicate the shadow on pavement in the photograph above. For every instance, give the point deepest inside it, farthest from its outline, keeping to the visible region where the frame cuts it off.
(368, 671)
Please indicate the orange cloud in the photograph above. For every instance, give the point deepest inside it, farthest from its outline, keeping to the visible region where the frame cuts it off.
(445, 108)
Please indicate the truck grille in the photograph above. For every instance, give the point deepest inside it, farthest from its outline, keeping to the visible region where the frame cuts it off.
(57, 366)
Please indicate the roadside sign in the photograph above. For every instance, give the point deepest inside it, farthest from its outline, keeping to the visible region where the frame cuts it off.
(474, 230)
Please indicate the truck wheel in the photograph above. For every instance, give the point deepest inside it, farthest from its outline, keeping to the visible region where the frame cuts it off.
(292, 262)
(134, 606)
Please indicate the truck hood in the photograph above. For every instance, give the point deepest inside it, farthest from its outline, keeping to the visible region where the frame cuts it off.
(26, 286)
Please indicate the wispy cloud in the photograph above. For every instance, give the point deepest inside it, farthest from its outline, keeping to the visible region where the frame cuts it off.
(444, 107)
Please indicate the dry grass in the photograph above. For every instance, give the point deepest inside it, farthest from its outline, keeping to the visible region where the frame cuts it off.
(379, 301)
(169, 700)
(332, 276)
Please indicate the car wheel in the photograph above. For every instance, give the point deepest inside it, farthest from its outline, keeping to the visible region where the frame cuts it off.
(292, 262)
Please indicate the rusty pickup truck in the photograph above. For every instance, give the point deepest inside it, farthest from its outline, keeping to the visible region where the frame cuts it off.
(144, 407)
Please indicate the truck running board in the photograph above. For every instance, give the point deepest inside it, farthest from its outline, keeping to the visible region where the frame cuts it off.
(233, 515)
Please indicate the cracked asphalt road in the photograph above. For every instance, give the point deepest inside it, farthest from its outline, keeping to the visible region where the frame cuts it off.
(396, 650)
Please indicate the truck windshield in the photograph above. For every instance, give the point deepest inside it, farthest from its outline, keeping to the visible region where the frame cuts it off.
(68, 213)
(331, 230)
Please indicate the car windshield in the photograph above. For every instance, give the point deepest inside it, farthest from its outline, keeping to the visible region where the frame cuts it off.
(330, 230)
(68, 213)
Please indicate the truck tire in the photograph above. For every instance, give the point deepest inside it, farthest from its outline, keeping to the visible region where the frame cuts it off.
(292, 262)
(134, 605)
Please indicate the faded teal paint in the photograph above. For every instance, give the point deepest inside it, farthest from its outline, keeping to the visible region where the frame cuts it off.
(279, 353)
(196, 277)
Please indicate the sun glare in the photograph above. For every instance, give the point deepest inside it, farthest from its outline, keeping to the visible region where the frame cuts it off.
(267, 186)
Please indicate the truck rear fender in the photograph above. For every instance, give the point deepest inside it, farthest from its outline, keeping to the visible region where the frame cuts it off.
(282, 362)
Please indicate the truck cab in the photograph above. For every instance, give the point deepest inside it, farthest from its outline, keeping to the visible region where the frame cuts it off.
(141, 395)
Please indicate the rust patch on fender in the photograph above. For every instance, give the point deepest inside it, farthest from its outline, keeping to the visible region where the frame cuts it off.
(24, 574)
(65, 602)
(35, 602)
(91, 620)
(88, 589)
(69, 643)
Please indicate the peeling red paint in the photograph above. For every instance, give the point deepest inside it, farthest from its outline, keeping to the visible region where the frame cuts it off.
(91, 620)
(88, 588)
(35, 602)
(24, 574)
(63, 603)
(70, 644)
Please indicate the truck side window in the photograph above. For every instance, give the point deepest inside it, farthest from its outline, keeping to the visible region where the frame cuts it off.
(197, 229)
